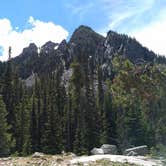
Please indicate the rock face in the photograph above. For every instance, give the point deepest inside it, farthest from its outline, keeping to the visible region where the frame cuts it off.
(137, 151)
(48, 47)
(30, 50)
(127, 47)
(84, 43)
(37, 155)
(84, 39)
(86, 46)
(132, 153)
(105, 149)
(30, 81)
(109, 149)
(97, 151)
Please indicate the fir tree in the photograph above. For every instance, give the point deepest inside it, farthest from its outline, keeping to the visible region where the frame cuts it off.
(109, 130)
(23, 143)
(33, 126)
(76, 94)
(5, 137)
(8, 96)
(135, 128)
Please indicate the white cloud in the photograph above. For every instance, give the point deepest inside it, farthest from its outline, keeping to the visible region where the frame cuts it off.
(79, 9)
(153, 36)
(144, 19)
(118, 11)
(39, 33)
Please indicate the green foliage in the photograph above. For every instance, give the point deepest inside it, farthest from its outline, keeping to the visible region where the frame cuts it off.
(125, 109)
(22, 130)
(77, 109)
(5, 137)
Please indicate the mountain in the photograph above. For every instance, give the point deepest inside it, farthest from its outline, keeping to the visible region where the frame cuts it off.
(79, 94)
(84, 43)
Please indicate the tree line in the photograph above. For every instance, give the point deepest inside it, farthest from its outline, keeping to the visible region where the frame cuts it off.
(126, 109)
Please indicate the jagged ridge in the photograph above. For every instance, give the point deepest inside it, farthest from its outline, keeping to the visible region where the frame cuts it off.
(83, 43)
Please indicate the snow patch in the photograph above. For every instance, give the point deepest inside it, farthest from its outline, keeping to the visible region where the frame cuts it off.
(56, 47)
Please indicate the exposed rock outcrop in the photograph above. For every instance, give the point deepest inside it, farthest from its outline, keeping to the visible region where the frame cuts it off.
(49, 47)
(86, 46)
(30, 50)
(105, 149)
(37, 155)
(139, 150)
(109, 149)
(97, 151)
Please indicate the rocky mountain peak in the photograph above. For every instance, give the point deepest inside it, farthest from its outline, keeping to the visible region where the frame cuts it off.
(84, 42)
(83, 33)
(126, 46)
(63, 45)
(32, 48)
(84, 45)
(49, 46)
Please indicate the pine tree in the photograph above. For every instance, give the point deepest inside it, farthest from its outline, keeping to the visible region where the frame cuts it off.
(135, 128)
(45, 121)
(80, 144)
(100, 98)
(92, 121)
(37, 115)
(59, 100)
(68, 124)
(5, 137)
(22, 123)
(33, 126)
(8, 96)
(55, 115)
(77, 109)
(109, 130)
(51, 128)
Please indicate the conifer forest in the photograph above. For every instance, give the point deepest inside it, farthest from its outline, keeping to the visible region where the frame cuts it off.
(91, 90)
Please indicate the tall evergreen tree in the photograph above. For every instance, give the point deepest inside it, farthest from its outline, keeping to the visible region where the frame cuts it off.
(33, 126)
(23, 110)
(8, 95)
(5, 137)
(109, 130)
(135, 128)
(76, 95)
(91, 114)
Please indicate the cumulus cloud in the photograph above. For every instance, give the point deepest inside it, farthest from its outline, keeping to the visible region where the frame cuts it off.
(39, 33)
(153, 36)
(144, 20)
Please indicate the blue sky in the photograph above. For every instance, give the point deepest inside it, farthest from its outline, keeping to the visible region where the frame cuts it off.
(68, 14)
(25, 21)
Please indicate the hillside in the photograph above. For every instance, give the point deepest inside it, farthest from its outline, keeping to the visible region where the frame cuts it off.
(80, 94)
(84, 42)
